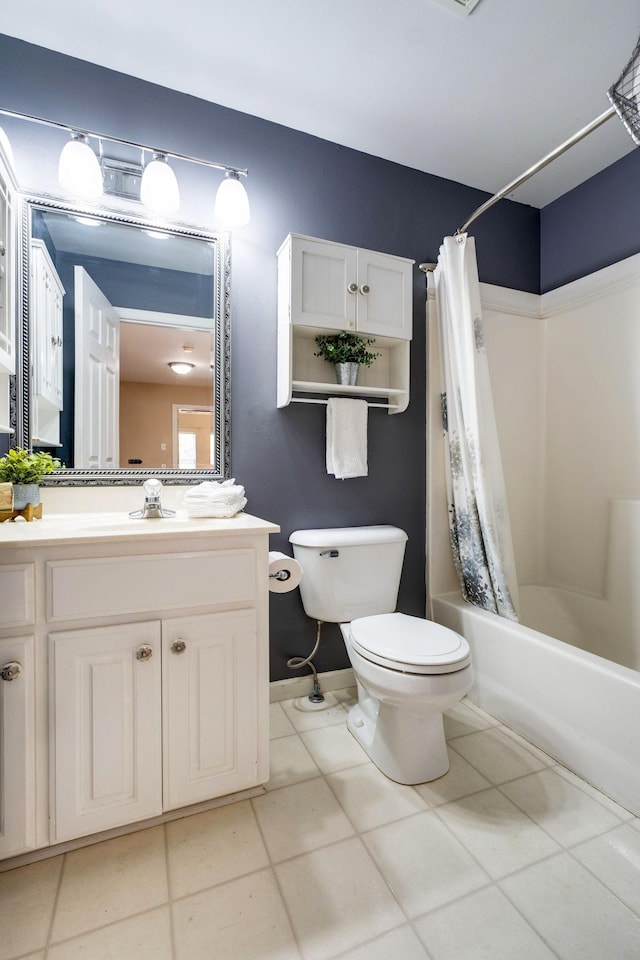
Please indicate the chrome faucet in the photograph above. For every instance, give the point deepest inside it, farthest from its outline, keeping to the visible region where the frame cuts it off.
(152, 508)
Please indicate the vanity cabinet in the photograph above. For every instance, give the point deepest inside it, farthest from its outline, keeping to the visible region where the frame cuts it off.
(326, 287)
(8, 248)
(45, 310)
(144, 687)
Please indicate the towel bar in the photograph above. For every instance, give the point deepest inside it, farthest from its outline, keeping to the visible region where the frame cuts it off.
(382, 406)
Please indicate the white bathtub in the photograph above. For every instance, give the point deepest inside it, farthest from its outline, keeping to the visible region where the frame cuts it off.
(581, 709)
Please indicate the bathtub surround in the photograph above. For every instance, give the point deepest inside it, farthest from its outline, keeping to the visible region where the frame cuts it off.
(565, 391)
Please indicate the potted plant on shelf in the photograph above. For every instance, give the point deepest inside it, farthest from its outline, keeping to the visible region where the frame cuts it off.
(347, 352)
(25, 469)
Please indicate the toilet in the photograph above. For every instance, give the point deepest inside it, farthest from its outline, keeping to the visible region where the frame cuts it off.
(408, 670)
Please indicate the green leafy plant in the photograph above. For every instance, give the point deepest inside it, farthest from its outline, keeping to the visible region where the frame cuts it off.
(23, 466)
(345, 347)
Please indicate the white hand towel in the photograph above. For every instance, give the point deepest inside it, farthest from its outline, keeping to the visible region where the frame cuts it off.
(347, 438)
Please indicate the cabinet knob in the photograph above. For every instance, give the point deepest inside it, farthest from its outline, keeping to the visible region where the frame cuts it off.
(144, 652)
(11, 670)
(178, 646)
(353, 288)
(364, 288)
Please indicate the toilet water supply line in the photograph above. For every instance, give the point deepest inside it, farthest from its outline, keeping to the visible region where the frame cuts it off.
(296, 663)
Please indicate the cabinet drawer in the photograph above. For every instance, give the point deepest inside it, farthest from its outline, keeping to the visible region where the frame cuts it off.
(123, 585)
(16, 594)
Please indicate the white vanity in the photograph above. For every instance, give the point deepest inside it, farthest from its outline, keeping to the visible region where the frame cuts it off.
(134, 661)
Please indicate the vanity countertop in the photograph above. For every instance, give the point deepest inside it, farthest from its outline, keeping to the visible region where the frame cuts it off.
(68, 528)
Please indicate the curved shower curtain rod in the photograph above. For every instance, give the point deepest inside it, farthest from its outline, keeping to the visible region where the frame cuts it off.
(540, 165)
(624, 96)
(530, 172)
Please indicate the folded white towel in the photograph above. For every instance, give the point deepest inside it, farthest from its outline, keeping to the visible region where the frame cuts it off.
(347, 438)
(215, 509)
(211, 499)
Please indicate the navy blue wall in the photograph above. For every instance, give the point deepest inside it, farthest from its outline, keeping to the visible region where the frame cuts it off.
(301, 184)
(592, 226)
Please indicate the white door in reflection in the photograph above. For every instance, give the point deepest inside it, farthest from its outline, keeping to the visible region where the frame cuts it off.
(97, 375)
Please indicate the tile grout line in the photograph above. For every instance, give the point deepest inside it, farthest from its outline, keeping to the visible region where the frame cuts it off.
(170, 897)
(56, 901)
(276, 880)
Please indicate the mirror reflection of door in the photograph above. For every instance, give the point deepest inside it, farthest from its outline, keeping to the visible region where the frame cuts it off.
(97, 394)
(193, 437)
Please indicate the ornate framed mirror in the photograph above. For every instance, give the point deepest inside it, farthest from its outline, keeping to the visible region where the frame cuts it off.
(109, 304)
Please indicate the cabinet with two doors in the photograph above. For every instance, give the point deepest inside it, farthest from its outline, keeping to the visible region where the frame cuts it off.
(133, 682)
(325, 287)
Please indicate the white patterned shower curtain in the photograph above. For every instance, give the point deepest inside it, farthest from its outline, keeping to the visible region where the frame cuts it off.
(478, 517)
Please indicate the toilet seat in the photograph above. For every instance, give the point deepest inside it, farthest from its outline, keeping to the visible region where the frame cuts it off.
(409, 644)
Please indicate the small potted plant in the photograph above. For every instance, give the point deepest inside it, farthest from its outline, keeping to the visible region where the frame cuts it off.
(25, 469)
(347, 352)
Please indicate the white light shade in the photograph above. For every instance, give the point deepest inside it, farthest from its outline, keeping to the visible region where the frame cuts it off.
(232, 203)
(178, 366)
(5, 144)
(79, 170)
(159, 187)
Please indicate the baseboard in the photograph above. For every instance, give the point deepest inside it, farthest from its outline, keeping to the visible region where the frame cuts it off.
(301, 686)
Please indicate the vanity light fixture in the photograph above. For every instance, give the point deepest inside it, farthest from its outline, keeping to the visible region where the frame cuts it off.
(181, 367)
(231, 207)
(159, 187)
(79, 169)
(80, 173)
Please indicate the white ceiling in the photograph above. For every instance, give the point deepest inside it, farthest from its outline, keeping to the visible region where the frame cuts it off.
(476, 98)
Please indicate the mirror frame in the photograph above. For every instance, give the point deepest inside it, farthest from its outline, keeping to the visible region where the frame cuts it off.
(221, 333)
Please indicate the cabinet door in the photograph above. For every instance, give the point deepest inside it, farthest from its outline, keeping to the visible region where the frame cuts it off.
(384, 296)
(209, 706)
(106, 727)
(323, 284)
(46, 322)
(17, 746)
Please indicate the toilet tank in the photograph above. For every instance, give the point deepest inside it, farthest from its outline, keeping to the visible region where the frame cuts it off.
(349, 572)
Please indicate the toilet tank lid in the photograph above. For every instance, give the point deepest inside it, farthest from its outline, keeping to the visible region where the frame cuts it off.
(347, 536)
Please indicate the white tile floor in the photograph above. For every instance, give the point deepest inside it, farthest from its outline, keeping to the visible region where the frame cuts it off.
(507, 857)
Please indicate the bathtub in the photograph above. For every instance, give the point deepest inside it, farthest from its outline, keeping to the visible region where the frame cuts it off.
(579, 708)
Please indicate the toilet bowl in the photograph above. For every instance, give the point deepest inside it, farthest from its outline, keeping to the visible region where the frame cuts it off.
(408, 670)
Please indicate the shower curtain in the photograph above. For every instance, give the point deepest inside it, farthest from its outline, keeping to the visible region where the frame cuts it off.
(478, 517)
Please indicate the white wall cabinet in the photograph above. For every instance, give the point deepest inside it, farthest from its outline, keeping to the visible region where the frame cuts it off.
(8, 248)
(144, 679)
(325, 287)
(45, 321)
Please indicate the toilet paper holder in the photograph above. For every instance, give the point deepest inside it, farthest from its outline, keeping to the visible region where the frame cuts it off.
(280, 575)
